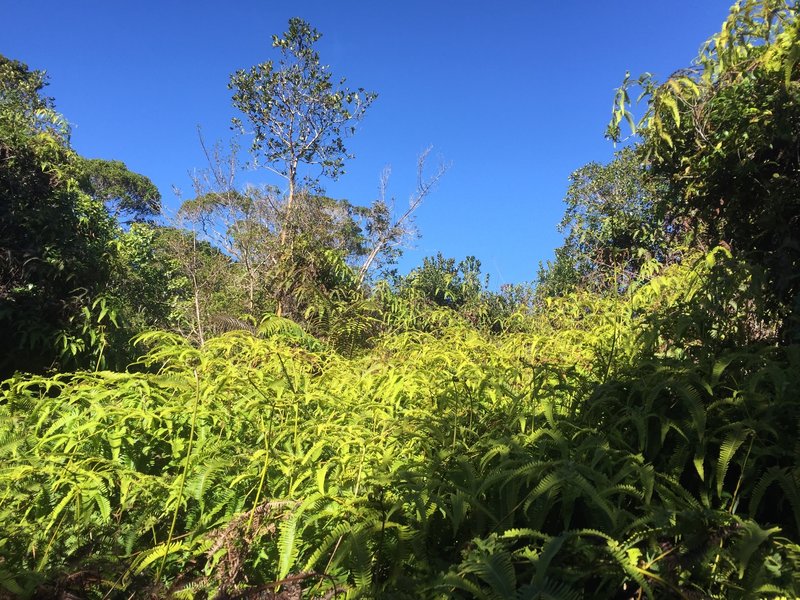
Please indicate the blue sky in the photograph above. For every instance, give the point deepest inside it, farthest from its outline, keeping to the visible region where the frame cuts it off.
(514, 95)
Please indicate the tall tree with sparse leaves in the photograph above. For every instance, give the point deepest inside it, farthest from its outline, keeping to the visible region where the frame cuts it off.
(298, 114)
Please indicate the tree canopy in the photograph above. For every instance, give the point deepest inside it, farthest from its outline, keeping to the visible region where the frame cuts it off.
(126, 193)
(614, 223)
(54, 239)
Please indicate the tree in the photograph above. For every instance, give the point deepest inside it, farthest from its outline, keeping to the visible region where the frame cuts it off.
(446, 283)
(298, 114)
(126, 193)
(613, 224)
(204, 282)
(246, 224)
(149, 279)
(723, 132)
(24, 106)
(56, 250)
(386, 235)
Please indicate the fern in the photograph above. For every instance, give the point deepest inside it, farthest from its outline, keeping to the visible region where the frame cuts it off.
(357, 455)
(733, 440)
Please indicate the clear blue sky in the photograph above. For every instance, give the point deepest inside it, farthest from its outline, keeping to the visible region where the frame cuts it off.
(515, 94)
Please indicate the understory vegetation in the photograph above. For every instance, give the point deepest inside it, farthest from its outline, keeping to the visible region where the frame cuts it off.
(250, 403)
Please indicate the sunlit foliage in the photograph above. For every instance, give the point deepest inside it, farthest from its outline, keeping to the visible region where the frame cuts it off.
(627, 430)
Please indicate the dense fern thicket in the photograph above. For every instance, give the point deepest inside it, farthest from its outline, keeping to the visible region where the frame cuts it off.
(584, 453)
(630, 428)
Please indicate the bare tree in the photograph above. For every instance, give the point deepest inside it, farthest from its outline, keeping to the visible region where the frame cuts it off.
(388, 233)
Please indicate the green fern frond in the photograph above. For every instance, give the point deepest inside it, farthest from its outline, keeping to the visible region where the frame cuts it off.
(732, 442)
(287, 544)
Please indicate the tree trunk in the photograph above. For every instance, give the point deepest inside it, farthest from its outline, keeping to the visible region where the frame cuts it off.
(287, 220)
(196, 289)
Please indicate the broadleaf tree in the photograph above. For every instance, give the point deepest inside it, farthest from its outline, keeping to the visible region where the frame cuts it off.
(613, 223)
(723, 132)
(56, 250)
(127, 194)
(298, 113)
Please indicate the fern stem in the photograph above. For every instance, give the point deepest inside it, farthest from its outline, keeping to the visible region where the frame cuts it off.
(741, 477)
(267, 448)
(286, 374)
(333, 553)
(612, 351)
(664, 582)
(455, 426)
(267, 437)
(100, 354)
(360, 468)
(183, 474)
(42, 561)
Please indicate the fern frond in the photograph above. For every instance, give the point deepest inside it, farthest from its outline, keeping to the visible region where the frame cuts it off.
(733, 440)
